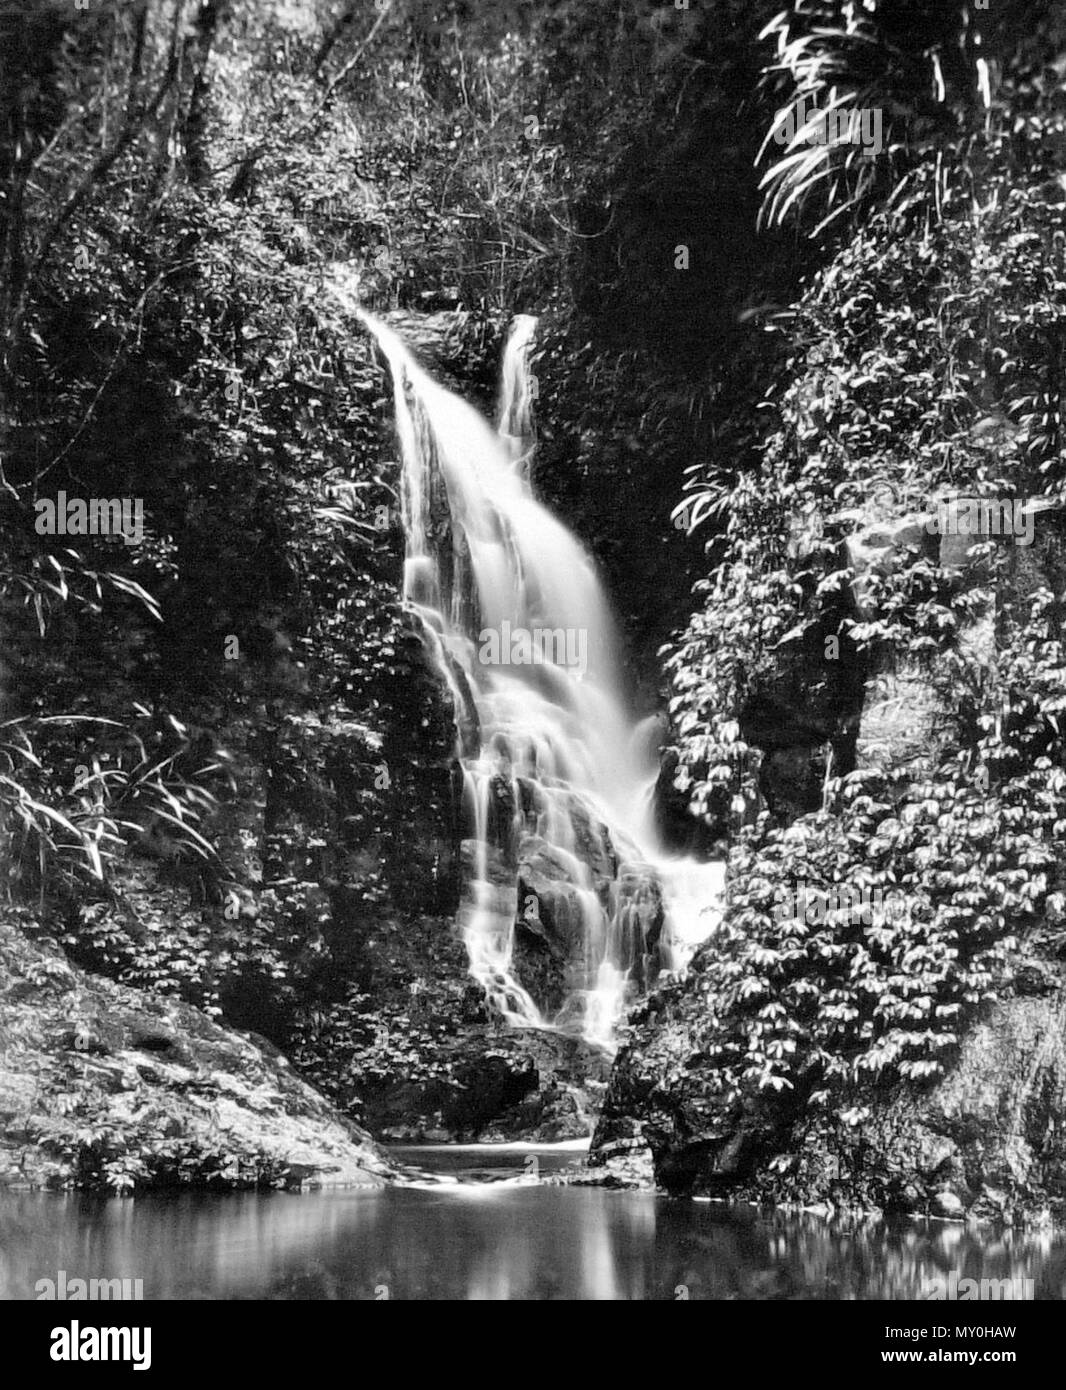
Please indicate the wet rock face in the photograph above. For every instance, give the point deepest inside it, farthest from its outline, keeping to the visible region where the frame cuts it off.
(550, 943)
(556, 898)
(109, 1088)
(640, 912)
(558, 923)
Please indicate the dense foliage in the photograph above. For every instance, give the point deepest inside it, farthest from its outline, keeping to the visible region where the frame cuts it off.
(923, 363)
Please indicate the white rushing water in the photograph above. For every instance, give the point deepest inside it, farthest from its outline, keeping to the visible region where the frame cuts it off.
(557, 774)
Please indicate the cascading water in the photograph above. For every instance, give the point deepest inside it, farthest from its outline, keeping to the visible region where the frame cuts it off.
(557, 776)
(517, 392)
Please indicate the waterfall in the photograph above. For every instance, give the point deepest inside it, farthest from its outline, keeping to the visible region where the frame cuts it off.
(557, 775)
(517, 392)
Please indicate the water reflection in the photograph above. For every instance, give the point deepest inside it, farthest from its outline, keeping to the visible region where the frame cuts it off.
(494, 1240)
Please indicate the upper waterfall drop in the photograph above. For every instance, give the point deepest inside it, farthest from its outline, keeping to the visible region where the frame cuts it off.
(557, 774)
(518, 390)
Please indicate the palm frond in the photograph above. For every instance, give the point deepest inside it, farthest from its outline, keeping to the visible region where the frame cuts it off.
(835, 60)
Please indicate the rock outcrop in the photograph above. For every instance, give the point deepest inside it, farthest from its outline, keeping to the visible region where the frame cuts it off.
(111, 1088)
(987, 1141)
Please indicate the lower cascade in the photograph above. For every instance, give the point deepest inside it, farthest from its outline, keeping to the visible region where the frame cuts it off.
(561, 854)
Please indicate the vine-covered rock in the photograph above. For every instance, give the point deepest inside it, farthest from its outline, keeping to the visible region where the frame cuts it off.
(874, 694)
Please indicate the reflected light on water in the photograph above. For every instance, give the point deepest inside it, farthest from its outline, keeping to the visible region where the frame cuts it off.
(484, 1240)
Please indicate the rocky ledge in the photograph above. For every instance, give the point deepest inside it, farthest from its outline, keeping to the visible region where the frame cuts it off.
(109, 1088)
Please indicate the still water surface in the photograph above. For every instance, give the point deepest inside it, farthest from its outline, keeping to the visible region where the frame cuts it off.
(479, 1226)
